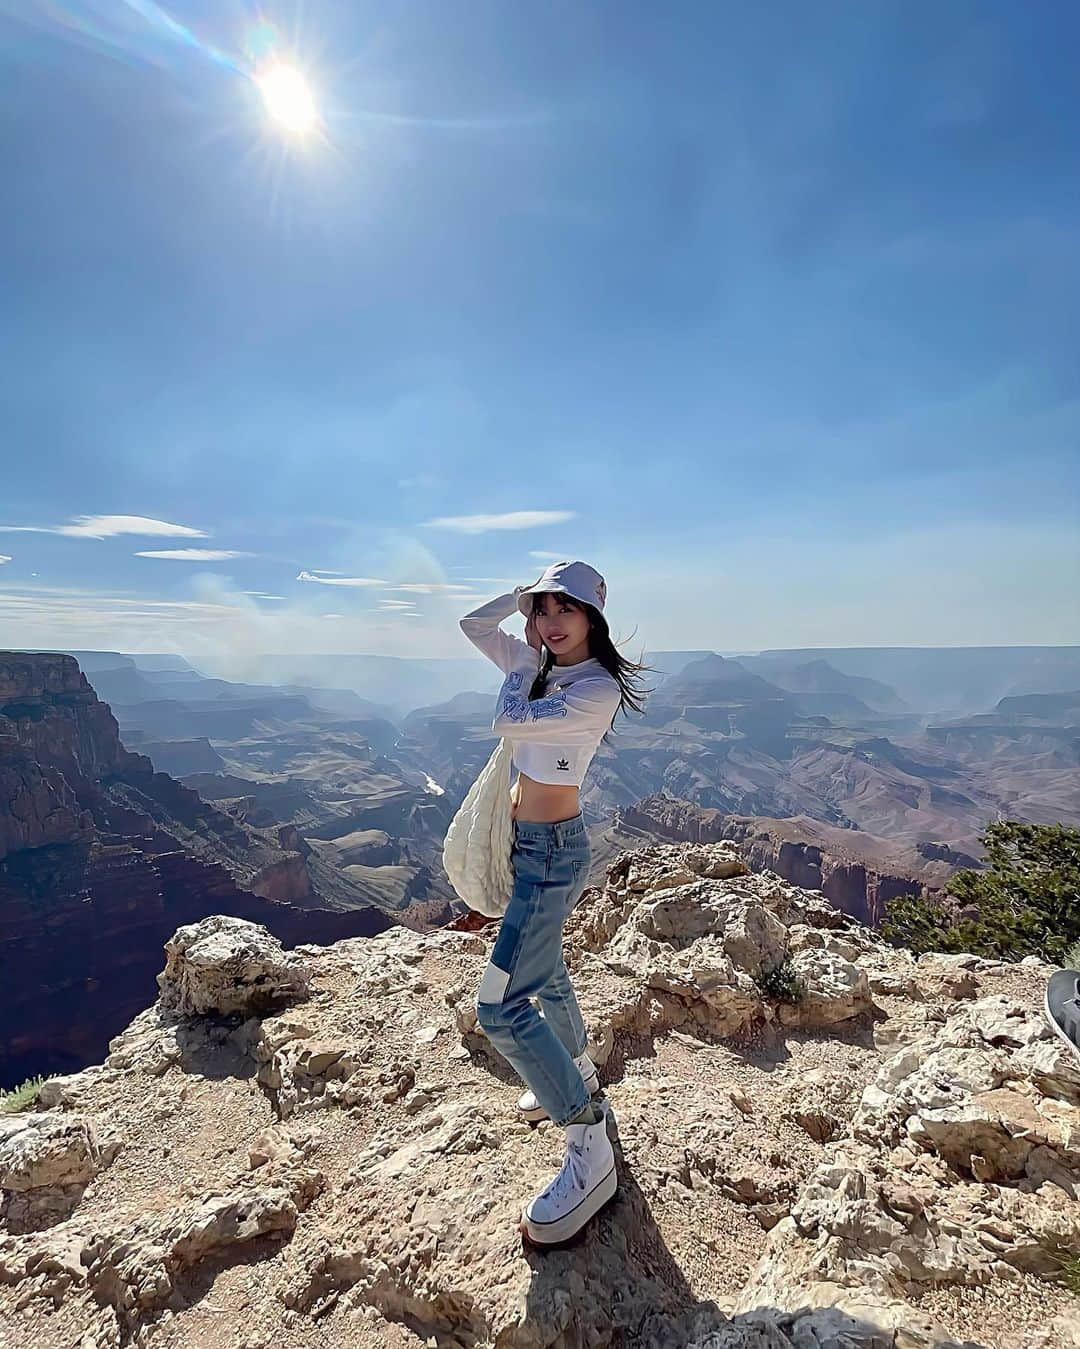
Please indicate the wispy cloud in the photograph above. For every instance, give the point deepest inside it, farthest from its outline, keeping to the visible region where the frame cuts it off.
(328, 578)
(260, 596)
(449, 588)
(108, 526)
(31, 603)
(4, 558)
(195, 554)
(546, 557)
(480, 524)
(333, 615)
(334, 578)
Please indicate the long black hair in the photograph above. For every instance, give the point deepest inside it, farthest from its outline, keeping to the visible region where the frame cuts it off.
(601, 647)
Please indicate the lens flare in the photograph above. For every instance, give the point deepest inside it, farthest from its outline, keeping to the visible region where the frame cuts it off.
(288, 99)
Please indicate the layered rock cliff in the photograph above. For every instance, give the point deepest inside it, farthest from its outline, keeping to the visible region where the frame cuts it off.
(101, 858)
(856, 872)
(320, 1146)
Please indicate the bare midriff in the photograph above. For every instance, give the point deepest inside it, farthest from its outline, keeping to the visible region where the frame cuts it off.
(542, 802)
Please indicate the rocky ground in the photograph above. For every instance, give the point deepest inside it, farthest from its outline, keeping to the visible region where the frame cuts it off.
(319, 1146)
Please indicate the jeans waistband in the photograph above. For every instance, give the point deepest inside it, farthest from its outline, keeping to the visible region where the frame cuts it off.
(558, 832)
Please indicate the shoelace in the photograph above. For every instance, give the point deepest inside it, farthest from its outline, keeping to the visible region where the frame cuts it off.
(573, 1169)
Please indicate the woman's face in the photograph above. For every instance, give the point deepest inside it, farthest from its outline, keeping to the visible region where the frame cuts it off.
(562, 626)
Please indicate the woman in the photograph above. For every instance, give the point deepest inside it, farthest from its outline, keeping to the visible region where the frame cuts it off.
(563, 687)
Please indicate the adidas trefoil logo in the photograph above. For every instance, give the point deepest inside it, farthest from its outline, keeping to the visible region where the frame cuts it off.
(564, 764)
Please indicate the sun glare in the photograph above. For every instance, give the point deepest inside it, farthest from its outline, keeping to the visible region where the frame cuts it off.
(288, 99)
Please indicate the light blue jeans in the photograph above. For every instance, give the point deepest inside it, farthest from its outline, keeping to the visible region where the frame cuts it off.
(551, 868)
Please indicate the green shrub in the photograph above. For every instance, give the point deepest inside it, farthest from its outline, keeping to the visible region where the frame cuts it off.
(780, 982)
(1026, 902)
(20, 1097)
(1067, 1272)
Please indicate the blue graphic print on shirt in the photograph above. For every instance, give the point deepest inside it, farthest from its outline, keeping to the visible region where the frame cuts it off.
(515, 707)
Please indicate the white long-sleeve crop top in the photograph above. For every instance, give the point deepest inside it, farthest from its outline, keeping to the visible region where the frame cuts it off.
(555, 737)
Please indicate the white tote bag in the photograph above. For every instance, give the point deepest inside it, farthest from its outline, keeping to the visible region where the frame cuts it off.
(476, 853)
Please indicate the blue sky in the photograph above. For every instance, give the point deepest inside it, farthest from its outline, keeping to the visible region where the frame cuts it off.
(767, 311)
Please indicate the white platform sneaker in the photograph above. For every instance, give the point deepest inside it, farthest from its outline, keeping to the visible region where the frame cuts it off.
(586, 1181)
(531, 1108)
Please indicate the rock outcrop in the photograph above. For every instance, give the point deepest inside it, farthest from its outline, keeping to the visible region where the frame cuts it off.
(820, 1140)
(101, 859)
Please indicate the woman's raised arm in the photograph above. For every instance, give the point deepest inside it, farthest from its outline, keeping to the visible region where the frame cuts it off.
(481, 626)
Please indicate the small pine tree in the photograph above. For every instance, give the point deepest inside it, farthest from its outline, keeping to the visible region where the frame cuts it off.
(1026, 902)
(780, 982)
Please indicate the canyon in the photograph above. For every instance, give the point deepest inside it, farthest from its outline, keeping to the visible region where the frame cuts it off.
(101, 858)
(324, 811)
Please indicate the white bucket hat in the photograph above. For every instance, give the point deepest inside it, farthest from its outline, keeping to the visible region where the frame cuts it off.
(578, 579)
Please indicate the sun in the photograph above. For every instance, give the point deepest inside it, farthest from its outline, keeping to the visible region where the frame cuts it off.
(288, 99)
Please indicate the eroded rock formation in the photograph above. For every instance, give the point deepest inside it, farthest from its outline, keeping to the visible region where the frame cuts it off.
(848, 870)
